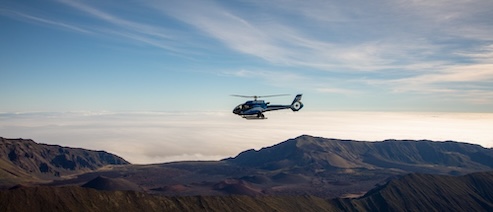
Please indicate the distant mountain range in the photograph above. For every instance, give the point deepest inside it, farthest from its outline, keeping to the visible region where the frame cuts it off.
(354, 175)
(23, 160)
(312, 153)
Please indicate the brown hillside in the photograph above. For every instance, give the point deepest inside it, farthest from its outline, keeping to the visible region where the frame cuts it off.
(326, 168)
(413, 192)
(425, 192)
(23, 160)
(84, 199)
(314, 153)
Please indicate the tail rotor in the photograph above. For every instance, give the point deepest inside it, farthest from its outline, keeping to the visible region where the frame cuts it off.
(297, 105)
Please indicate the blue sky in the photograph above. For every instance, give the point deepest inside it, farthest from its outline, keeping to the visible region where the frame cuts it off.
(150, 55)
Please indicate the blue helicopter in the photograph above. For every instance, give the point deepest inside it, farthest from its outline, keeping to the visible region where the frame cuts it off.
(254, 109)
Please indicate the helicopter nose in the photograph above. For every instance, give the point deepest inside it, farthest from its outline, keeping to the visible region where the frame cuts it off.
(237, 110)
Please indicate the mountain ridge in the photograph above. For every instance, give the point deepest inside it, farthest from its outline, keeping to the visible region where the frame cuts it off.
(323, 153)
(25, 159)
(423, 192)
(310, 165)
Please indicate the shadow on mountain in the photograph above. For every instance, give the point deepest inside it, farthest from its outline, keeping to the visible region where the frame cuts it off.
(257, 179)
(238, 187)
(287, 178)
(111, 184)
(83, 199)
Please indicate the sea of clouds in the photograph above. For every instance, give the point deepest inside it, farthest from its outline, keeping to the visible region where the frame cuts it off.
(156, 137)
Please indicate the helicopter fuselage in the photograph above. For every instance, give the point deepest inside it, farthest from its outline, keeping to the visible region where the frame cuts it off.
(254, 109)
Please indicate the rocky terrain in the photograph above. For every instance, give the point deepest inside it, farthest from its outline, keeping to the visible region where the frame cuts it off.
(412, 192)
(309, 153)
(25, 161)
(425, 192)
(318, 173)
(316, 166)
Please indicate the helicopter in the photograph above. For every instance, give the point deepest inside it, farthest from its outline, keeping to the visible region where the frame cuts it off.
(254, 109)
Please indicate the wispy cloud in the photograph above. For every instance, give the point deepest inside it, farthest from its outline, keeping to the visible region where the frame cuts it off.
(481, 55)
(455, 83)
(282, 78)
(121, 23)
(95, 20)
(462, 73)
(157, 36)
(336, 37)
(47, 21)
(220, 23)
(337, 91)
(396, 36)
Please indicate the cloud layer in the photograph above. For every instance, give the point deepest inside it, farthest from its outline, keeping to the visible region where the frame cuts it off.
(154, 137)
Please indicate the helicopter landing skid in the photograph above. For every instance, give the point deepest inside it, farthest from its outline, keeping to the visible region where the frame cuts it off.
(254, 117)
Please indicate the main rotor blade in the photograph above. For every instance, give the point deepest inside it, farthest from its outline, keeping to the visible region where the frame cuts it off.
(244, 96)
(273, 95)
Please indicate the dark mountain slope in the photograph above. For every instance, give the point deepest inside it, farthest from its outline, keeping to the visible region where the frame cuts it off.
(112, 184)
(425, 192)
(447, 153)
(412, 192)
(24, 160)
(321, 167)
(410, 156)
(84, 199)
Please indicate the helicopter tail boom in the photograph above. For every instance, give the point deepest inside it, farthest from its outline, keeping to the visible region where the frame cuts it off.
(297, 105)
